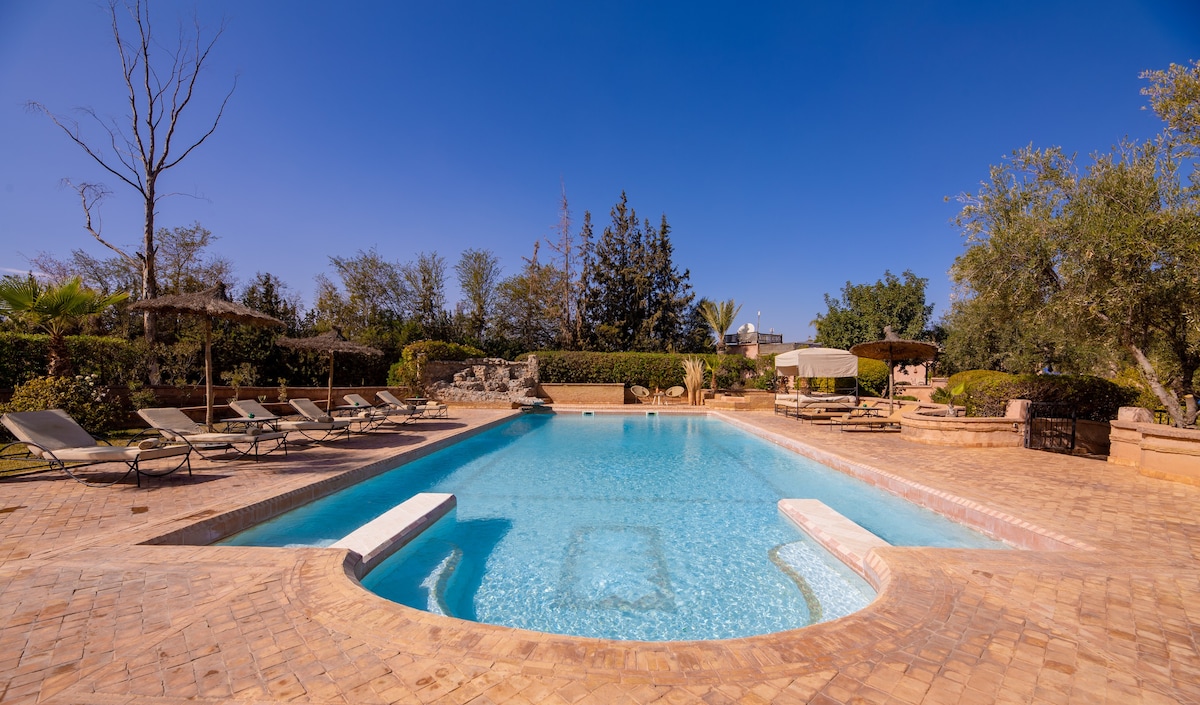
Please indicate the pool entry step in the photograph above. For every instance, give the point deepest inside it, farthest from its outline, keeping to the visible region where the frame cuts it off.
(389, 532)
(843, 538)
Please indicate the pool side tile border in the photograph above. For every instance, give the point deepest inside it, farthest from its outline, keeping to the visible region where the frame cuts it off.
(994, 523)
(214, 528)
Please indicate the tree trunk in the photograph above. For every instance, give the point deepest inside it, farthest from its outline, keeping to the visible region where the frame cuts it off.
(1169, 402)
(59, 362)
(150, 288)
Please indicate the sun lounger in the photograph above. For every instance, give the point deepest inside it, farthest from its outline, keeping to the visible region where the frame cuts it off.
(178, 427)
(56, 439)
(254, 414)
(875, 422)
(384, 413)
(427, 410)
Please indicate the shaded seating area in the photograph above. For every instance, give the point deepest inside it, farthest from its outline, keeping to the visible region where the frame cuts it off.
(804, 405)
(54, 439)
(254, 414)
(177, 427)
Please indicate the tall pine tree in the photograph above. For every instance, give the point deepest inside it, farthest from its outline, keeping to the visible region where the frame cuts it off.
(634, 298)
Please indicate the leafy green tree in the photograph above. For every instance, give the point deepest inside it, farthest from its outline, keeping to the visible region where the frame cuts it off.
(1109, 254)
(478, 278)
(719, 317)
(527, 313)
(864, 309)
(236, 344)
(54, 309)
(425, 293)
(370, 303)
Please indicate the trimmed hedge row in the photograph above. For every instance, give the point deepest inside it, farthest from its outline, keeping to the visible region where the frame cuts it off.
(650, 370)
(114, 361)
(1096, 399)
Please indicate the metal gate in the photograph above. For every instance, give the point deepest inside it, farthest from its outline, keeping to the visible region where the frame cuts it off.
(1050, 426)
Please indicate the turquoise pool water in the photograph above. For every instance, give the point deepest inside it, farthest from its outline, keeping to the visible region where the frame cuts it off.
(628, 527)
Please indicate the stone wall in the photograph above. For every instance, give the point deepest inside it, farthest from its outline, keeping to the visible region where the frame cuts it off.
(1164, 452)
(485, 381)
(595, 393)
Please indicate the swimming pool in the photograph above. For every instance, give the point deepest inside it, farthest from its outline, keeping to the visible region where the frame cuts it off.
(617, 526)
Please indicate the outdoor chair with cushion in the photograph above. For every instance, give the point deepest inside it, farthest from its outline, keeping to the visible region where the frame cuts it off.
(53, 438)
(176, 426)
(640, 392)
(313, 414)
(675, 394)
(254, 414)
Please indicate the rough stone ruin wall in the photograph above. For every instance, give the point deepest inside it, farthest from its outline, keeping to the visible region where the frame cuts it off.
(482, 380)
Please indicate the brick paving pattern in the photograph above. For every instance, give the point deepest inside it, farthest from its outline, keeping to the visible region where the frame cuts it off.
(92, 613)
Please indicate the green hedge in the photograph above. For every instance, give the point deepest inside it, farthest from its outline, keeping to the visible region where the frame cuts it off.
(1095, 399)
(651, 370)
(114, 361)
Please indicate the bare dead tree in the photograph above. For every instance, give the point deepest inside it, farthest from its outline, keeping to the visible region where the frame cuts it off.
(160, 84)
(564, 248)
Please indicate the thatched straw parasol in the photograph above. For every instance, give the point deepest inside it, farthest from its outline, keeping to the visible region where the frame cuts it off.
(208, 304)
(329, 342)
(893, 348)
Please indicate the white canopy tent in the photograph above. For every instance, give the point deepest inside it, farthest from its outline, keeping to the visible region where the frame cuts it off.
(816, 362)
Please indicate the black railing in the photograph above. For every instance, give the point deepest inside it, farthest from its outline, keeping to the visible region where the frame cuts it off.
(751, 338)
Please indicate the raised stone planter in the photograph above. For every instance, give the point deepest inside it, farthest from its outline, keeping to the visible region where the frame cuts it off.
(942, 430)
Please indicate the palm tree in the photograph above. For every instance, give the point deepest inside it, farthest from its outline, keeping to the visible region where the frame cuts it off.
(55, 309)
(719, 317)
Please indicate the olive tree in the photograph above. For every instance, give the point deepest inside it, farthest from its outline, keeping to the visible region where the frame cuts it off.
(1108, 253)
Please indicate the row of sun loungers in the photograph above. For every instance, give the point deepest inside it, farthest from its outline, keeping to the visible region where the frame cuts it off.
(54, 439)
(840, 411)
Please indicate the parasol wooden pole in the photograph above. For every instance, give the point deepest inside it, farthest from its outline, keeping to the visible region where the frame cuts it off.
(208, 390)
(329, 395)
(891, 388)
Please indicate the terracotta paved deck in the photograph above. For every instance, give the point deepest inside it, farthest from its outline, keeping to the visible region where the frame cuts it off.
(90, 615)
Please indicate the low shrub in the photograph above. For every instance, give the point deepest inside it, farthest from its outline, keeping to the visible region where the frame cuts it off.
(872, 378)
(404, 372)
(80, 396)
(1094, 398)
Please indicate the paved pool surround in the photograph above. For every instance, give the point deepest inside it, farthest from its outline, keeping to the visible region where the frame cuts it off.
(102, 604)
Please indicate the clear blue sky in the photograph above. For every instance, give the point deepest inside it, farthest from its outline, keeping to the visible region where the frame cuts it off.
(793, 146)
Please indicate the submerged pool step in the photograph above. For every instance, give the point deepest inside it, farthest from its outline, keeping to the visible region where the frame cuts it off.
(843, 538)
(381, 537)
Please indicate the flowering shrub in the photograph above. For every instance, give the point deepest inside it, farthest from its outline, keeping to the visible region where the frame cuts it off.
(80, 396)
